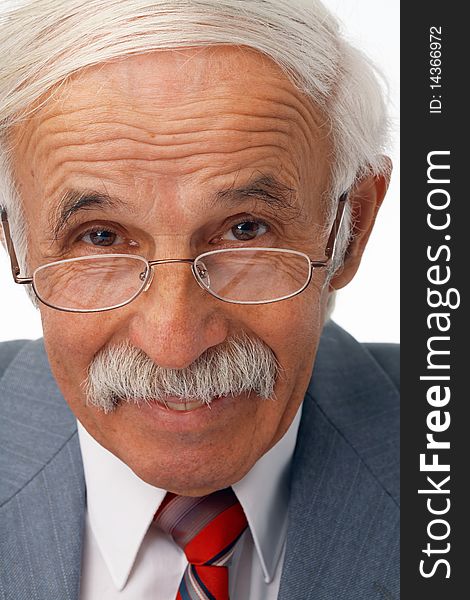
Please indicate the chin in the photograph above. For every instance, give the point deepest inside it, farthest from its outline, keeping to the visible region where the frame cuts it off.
(195, 473)
(186, 484)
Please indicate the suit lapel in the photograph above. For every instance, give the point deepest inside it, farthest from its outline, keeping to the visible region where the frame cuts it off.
(342, 540)
(42, 501)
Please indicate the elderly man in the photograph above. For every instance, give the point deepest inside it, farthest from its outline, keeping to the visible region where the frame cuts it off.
(184, 186)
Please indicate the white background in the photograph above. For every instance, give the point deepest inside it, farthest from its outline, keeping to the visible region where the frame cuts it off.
(369, 306)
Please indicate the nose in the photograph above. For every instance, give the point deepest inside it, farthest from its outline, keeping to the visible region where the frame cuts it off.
(175, 321)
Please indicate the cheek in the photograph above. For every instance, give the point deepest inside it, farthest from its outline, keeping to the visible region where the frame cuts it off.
(71, 342)
(291, 329)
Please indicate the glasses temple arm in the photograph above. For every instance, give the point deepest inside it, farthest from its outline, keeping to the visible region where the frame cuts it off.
(15, 268)
(332, 239)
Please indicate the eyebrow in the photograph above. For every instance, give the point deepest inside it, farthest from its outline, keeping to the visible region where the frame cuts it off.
(74, 201)
(266, 188)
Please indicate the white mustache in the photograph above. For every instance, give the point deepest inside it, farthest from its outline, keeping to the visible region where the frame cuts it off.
(123, 373)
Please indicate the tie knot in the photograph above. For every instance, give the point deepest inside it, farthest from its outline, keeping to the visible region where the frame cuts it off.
(206, 528)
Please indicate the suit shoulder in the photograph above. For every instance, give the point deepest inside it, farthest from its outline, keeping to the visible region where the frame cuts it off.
(355, 385)
(387, 356)
(8, 351)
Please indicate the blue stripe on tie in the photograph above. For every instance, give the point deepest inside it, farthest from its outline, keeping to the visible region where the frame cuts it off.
(183, 590)
(201, 583)
(225, 550)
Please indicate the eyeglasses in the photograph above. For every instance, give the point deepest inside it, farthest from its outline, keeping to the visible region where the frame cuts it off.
(237, 275)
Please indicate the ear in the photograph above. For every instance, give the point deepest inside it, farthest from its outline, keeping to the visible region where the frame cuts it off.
(365, 199)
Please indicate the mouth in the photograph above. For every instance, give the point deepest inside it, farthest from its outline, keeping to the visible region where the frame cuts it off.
(173, 414)
(183, 405)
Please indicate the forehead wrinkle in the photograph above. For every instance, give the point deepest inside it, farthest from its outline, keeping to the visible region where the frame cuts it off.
(106, 140)
(281, 116)
(117, 176)
(287, 110)
(278, 143)
(178, 161)
(109, 135)
(163, 131)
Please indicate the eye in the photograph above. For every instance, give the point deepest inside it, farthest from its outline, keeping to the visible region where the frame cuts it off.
(246, 231)
(101, 237)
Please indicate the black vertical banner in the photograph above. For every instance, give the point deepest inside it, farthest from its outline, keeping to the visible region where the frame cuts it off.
(435, 319)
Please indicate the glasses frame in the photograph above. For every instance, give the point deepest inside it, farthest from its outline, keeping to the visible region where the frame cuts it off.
(150, 264)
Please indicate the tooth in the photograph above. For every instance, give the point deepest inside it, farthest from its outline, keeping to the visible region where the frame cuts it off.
(183, 405)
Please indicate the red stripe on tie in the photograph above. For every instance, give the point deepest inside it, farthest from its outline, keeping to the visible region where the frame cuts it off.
(209, 526)
(216, 536)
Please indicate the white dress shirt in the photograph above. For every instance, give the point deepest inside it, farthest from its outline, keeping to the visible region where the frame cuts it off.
(126, 557)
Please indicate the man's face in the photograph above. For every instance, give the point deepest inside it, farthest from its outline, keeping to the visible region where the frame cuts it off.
(165, 133)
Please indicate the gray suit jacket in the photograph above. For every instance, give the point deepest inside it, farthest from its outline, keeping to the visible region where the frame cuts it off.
(342, 540)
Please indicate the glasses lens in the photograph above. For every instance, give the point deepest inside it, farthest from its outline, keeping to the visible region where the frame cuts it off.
(91, 283)
(253, 276)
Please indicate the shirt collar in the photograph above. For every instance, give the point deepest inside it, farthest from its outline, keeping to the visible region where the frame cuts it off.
(121, 506)
(264, 496)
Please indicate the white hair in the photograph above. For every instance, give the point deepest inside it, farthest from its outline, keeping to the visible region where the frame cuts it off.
(43, 42)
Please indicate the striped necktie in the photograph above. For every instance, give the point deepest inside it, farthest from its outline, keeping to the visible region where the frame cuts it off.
(207, 529)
